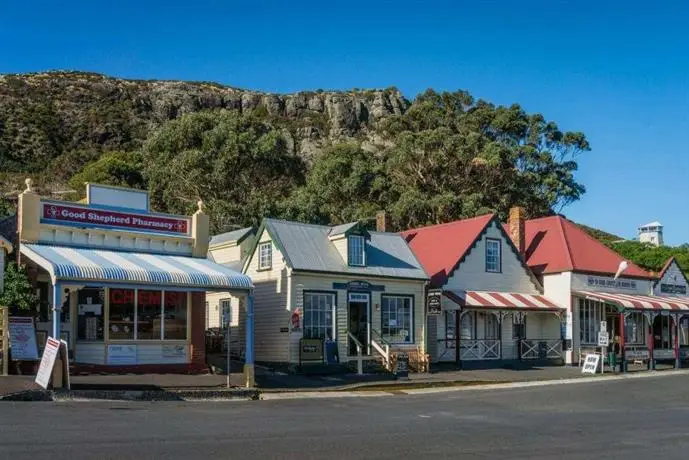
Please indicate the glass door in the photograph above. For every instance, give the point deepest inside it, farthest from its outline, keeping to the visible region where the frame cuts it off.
(359, 323)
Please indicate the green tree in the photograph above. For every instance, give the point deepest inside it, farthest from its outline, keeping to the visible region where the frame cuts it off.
(114, 168)
(237, 164)
(345, 184)
(651, 257)
(18, 293)
(455, 157)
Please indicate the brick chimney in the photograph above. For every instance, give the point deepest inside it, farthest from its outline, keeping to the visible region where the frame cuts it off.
(381, 222)
(517, 228)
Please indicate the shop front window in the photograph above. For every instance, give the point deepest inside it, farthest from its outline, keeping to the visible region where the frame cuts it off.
(492, 327)
(319, 314)
(121, 318)
(450, 328)
(466, 326)
(397, 319)
(590, 317)
(175, 315)
(90, 319)
(148, 309)
(684, 332)
(634, 327)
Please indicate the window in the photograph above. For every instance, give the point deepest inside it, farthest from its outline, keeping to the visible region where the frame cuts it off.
(148, 309)
(265, 256)
(466, 326)
(684, 332)
(397, 322)
(493, 256)
(518, 326)
(492, 328)
(634, 329)
(122, 309)
(590, 316)
(356, 249)
(225, 312)
(175, 315)
(450, 328)
(90, 320)
(319, 315)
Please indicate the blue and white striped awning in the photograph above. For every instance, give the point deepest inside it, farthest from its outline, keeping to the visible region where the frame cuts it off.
(77, 264)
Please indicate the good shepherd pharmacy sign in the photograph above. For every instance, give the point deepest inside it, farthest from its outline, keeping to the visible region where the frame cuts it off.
(58, 213)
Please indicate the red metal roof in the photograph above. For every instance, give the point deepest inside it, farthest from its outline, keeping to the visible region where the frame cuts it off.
(639, 302)
(554, 245)
(440, 248)
(505, 300)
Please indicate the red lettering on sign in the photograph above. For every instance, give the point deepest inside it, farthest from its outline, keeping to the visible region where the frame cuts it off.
(121, 296)
(84, 215)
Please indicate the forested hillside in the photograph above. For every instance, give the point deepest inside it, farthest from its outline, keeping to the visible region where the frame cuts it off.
(317, 156)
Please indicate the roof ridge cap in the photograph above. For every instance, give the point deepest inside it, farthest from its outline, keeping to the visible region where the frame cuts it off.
(565, 240)
(444, 224)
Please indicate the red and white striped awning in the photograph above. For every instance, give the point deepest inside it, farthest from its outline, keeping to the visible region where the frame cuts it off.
(639, 302)
(506, 300)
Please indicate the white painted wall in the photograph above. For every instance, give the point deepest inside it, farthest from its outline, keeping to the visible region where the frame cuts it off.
(472, 275)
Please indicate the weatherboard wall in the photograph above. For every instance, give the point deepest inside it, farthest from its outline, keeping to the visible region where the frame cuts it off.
(674, 277)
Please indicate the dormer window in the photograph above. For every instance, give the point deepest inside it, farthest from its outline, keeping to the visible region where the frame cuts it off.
(356, 253)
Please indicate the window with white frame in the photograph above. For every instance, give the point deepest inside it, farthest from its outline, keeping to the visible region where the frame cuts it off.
(265, 256)
(634, 329)
(356, 250)
(397, 319)
(225, 312)
(466, 326)
(493, 255)
(684, 332)
(590, 316)
(491, 327)
(450, 328)
(319, 315)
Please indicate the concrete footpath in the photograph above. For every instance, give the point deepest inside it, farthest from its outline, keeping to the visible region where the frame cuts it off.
(274, 385)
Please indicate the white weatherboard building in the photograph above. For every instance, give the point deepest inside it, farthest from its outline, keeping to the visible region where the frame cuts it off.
(651, 233)
(354, 291)
(493, 308)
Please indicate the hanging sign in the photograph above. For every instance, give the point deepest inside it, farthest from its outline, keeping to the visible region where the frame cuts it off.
(434, 301)
(56, 213)
(590, 364)
(23, 339)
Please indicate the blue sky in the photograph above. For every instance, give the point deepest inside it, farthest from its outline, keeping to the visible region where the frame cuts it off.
(616, 70)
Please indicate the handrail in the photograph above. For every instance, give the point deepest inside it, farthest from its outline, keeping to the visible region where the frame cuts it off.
(360, 364)
(384, 350)
(379, 336)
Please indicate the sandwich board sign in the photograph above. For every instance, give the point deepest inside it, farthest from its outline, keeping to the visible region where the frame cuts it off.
(52, 348)
(45, 369)
(590, 364)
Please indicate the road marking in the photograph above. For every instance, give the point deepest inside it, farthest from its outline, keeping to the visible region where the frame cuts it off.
(425, 416)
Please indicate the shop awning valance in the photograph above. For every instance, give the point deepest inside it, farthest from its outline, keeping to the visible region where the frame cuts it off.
(502, 300)
(95, 265)
(638, 302)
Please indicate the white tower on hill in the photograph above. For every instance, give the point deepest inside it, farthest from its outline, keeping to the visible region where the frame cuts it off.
(651, 233)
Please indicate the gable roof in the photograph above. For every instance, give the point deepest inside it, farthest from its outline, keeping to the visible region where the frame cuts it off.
(441, 248)
(234, 235)
(306, 247)
(555, 245)
(666, 267)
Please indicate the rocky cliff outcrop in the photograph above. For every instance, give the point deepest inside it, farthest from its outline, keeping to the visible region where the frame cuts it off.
(45, 116)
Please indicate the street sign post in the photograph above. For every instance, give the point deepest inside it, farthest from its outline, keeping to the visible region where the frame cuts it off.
(603, 340)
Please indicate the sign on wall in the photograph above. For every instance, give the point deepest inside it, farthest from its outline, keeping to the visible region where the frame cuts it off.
(311, 350)
(631, 354)
(122, 354)
(434, 301)
(611, 283)
(23, 339)
(56, 213)
(673, 289)
(359, 285)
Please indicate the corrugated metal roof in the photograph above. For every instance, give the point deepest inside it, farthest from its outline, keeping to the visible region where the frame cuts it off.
(234, 235)
(68, 264)
(341, 229)
(307, 247)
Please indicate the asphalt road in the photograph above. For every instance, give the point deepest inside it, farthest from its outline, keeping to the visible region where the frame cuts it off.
(629, 419)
